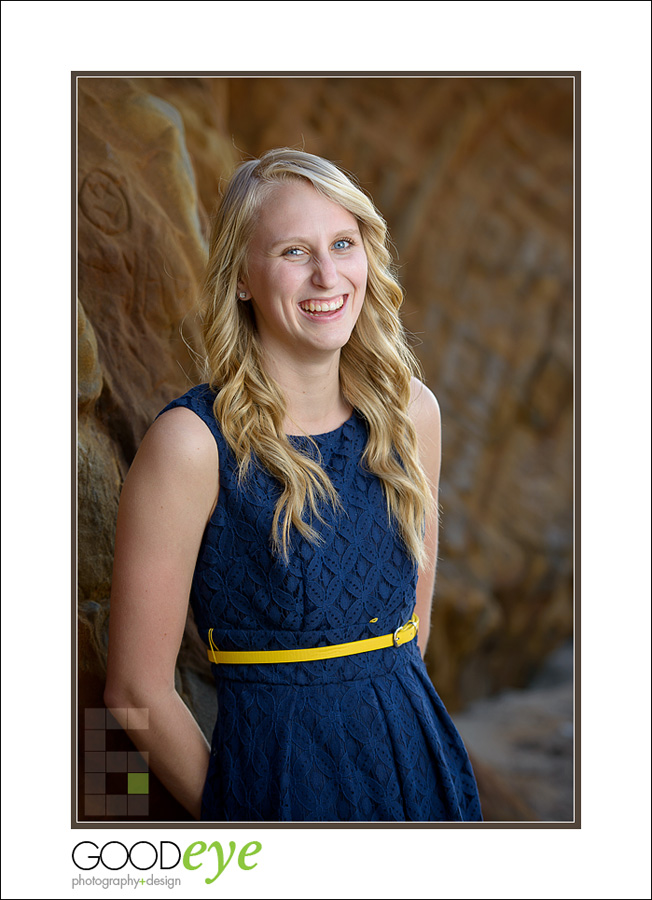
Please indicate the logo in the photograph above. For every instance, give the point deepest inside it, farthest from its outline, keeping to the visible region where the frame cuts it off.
(143, 855)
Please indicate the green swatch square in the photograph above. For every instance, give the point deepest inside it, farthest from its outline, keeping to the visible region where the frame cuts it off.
(138, 782)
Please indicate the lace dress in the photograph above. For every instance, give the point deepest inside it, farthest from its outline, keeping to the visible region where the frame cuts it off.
(355, 738)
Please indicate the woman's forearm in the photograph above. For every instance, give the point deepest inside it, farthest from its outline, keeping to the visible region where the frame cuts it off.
(165, 729)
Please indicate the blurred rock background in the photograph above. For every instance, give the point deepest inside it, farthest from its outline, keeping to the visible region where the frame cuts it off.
(475, 179)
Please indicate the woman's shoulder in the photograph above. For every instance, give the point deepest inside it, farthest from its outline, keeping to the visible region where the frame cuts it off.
(179, 438)
(185, 431)
(423, 408)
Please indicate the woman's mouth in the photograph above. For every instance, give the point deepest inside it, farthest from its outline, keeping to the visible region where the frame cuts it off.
(324, 307)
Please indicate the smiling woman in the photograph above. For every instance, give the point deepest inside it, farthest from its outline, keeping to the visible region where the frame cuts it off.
(292, 498)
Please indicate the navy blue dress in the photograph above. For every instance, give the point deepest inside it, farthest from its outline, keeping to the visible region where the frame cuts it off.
(359, 738)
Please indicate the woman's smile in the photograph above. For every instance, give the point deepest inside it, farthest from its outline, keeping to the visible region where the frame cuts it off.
(323, 307)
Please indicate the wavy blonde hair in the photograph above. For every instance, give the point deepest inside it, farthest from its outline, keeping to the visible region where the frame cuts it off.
(376, 365)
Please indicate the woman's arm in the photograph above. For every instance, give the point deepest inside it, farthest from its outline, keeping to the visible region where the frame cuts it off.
(166, 501)
(424, 412)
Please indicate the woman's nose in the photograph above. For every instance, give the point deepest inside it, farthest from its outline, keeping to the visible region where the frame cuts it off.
(325, 271)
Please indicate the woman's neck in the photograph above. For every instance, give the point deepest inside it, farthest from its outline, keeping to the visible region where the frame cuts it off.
(313, 395)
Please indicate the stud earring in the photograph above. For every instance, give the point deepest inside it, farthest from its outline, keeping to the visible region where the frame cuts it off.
(242, 295)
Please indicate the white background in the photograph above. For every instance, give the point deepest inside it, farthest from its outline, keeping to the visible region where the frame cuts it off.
(609, 43)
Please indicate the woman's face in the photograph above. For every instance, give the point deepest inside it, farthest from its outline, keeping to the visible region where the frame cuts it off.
(307, 273)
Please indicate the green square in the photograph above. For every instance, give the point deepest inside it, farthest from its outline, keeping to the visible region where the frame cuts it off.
(137, 782)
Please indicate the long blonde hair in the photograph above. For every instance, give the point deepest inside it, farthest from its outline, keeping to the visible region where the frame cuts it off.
(376, 365)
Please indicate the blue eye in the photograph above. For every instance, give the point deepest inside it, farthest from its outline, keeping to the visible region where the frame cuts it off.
(343, 244)
(293, 251)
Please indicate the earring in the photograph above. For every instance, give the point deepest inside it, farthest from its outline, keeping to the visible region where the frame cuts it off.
(242, 295)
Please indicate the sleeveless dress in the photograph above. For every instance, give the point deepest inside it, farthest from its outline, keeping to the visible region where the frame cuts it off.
(357, 738)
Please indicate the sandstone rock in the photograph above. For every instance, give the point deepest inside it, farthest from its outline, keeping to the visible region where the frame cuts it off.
(203, 104)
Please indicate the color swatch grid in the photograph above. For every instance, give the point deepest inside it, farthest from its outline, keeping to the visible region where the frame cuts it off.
(116, 780)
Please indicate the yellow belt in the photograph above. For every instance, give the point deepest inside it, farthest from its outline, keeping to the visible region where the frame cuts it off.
(402, 635)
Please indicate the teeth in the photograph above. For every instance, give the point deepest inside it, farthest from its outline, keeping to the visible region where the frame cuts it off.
(324, 306)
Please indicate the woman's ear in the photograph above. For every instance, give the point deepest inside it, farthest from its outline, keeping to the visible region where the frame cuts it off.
(243, 293)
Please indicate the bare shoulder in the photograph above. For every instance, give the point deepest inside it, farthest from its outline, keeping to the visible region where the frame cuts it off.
(424, 409)
(176, 465)
(179, 439)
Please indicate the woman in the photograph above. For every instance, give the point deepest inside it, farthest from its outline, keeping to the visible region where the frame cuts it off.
(293, 497)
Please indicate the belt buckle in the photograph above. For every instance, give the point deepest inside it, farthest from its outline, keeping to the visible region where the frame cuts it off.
(401, 628)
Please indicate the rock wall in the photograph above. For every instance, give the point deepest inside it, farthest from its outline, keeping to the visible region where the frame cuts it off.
(474, 176)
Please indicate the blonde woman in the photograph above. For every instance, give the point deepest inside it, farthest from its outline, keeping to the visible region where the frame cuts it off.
(293, 499)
